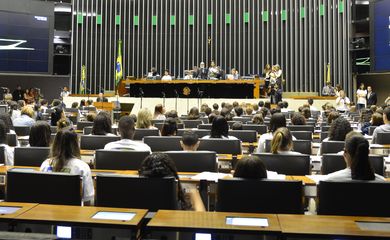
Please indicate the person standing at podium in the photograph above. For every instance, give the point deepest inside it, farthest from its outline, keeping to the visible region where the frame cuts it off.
(101, 98)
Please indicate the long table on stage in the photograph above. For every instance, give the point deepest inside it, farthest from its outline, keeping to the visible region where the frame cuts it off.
(241, 88)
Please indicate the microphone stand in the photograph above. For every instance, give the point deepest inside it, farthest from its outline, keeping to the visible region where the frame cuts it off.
(200, 95)
(141, 94)
(163, 95)
(176, 96)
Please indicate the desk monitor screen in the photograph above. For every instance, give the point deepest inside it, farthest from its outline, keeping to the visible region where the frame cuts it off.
(243, 221)
(63, 232)
(8, 210)
(374, 226)
(120, 216)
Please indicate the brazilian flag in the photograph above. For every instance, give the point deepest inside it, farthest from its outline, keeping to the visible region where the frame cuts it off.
(118, 68)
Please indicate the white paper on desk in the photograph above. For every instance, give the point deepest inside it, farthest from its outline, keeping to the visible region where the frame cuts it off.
(210, 176)
(317, 178)
(387, 159)
(315, 158)
(275, 176)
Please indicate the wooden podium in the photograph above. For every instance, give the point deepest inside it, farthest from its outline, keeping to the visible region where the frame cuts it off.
(105, 106)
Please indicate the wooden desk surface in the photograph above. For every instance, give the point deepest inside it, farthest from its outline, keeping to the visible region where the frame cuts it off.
(209, 221)
(380, 146)
(78, 214)
(328, 225)
(24, 207)
(305, 180)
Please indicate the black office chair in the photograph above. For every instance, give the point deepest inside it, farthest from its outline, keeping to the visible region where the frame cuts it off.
(12, 140)
(154, 121)
(221, 146)
(354, 198)
(199, 161)
(162, 143)
(332, 146)
(140, 133)
(302, 146)
(204, 119)
(200, 132)
(22, 130)
(259, 196)
(192, 123)
(248, 136)
(334, 162)
(205, 126)
(309, 128)
(260, 129)
(136, 192)
(242, 119)
(160, 125)
(30, 156)
(42, 187)
(2, 155)
(119, 160)
(371, 130)
(323, 135)
(302, 135)
(383, 138)
(83, 124)
(325, 128)
(93, 142)
(286, 164)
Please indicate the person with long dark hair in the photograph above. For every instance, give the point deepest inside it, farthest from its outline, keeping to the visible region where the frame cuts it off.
(40, 135)
(8, 151)
(169, 127)
(356, 154)
(102, 124)
(250, 167)
(219, 129)
(65, 157)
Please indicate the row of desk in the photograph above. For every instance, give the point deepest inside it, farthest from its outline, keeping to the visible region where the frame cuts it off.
(205, 222)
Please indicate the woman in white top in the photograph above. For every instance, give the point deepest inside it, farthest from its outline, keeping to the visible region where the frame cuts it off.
(356, 158)
(277, 120)
(219, 129)
(159, 112)
(8, 151)
(167, 76)
(361, 95)
(65, 157)
(282, 142)
(342, 102)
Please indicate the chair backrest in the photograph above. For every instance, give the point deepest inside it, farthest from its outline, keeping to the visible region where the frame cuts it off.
(140, 133)
(332, 146)
(30, 156)
(205, 126)
(259, 196)
(354, 198)
(260, 129)
(243, 119)
(302, 135)
(204, 119)
(333, 162)
(302, 146)
(325, 128)
(162, 143)
(323, 135)
(160, 125)
(22, 130)
(199, 161)
(192, 123)
(136, 192)
(309, 128)
(119, 160)
(11, 139)
(371, 130)
(93, 142)
(200, 132)
(286, 164)
(383, 138)
(2, 155)
(42, 187)
(83, 124)
(248, 136)
(221, 146)
(154, 121)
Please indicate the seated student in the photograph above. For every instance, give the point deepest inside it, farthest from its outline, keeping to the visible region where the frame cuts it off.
(215, 109)
(306, 113)
(144, 119)
(356, 158)
(212, 117)
(160, 165)
(219, 129)
(338, 130)
(258, 119)
(332, 116)
(65, 157)
(8, 122)
(385, 128)
(376, 120)
(250, 167)
(26, 117)
(298, 119)
(189, 141)
(56, 115)
(8, 151)
(40, 135)
(193, 114)
(237, 126)
(282, 142)
(238, 111)
(126, 130)
(169, 127)
(159, 112)
(277, 120)
(102, 124)
(64, 124)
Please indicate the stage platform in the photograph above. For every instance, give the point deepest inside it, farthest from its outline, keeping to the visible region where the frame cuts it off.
(182, 105)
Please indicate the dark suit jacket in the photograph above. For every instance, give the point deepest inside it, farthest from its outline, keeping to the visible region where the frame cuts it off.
(372, 100)
(102, 100)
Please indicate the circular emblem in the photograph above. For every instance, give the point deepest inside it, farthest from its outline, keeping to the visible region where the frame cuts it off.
(186, 91)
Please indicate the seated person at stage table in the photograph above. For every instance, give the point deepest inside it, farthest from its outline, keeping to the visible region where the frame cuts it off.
(153, 73)
(202, 72)
(234, 75)
(66, 158)
(282, 142)
(26, 117)
(356, 154)
(166, 76)
(144, 119)
(102, 124)
(8, 151)
(160, 165)
(342, 102)
(189, 141)
(385, 128)
(214, 71)
(219, 129)
(328, 89)
(126, 130)
(250, 167)
(169, 127)
(101, 98)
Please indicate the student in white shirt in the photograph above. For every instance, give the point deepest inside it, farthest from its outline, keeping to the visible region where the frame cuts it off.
(356, 158)
(8, 151)
(282, 142)
(277, 120)
(361, 95)
(66, 158)
(189, 141)
(126, 130)
(219, 129)
(102, 124)
(342, 102)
